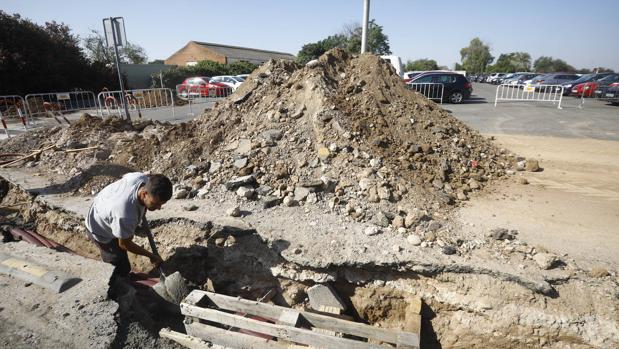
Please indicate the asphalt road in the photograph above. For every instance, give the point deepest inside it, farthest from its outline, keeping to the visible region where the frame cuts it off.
(596, 119)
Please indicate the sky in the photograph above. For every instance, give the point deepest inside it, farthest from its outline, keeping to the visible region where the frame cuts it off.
(576, 31)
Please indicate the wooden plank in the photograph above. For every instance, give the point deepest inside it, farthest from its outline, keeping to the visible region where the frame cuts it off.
(230, 338)
(187, 341)
(316, 320)
(297, 335)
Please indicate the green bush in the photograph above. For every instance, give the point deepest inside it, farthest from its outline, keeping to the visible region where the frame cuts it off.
(175, 76)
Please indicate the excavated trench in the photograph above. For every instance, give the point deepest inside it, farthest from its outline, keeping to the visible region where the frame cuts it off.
(459, 310)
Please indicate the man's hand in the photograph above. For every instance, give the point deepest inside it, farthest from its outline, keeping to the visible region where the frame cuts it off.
(156, 260)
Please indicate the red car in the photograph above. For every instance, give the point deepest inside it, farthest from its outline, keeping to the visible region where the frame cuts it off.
(587, 87)
(200, 86)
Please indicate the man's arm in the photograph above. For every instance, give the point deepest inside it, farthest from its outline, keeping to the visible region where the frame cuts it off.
(129, 245)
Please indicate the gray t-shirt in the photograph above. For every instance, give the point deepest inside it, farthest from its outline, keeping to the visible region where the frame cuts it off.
(116, 211)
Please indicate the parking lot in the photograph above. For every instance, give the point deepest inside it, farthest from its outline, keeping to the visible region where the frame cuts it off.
(596, 119)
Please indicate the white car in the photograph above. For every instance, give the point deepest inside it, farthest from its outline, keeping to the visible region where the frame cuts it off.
(228, 80)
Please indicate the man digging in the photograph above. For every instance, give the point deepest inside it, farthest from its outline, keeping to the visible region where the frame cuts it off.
(118, 211)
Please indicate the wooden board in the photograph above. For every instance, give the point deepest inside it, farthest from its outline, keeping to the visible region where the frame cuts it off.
(196, 297)
(230, 339)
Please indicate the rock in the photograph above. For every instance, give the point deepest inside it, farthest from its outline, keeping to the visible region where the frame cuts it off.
(230, 241)
(289, 201)
(214, 166)
(234, 211)
(190, 207)
(438, 184)
(430, 236)
(521, 165)
(270, 201)
(398, 222)
(312, 198)
(375, 163)
(414, 217)
(532, 165)
(324, 296)
(220, 241)
(501, 234)
(384, 193)
(240, 163)
(202, 192)
(264, 190)
(461, 196)
(545, 260)
(523, 180)
(372, 230)
(244, 147)
(426, 148)
(365, 183)
(473, 184)
(373, 195)
(328, 184)
(198, 182)
(598, 272)
(300, 193)
(180, 193)
(449, 250)
(313, 63)
(240, 181)
(245, 192)
(414, 240)
(333, 148)
(333, 202)
(272, 135)
(242, 98)
(323, 153)
(380, 219)
(434, 226)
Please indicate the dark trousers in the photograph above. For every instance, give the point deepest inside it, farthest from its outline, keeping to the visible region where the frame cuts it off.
(113, 254)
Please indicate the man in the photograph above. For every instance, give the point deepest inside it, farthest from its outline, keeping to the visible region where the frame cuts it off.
(119, 210)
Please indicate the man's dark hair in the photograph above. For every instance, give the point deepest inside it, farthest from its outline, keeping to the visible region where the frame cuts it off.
(159, 186)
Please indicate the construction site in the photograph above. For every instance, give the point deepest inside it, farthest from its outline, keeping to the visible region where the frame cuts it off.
(323, 205)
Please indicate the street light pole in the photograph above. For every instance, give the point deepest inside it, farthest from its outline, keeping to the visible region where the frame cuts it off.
(364, 32)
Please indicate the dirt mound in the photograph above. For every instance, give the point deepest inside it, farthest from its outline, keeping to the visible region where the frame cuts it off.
(344, 128)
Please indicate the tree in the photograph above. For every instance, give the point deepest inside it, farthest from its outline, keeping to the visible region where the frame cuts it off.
(545, 64)
(350, 40)
(48, 58)
(157, 61)
(421, 64)
(512, 62)
(98, 51)
(476, 56)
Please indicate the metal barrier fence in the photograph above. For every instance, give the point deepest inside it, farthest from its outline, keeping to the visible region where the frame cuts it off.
(13, 106)
(201, 93)
(529, 93)
(594, 91)
(139, 99)
(430, 90)
(57, 103)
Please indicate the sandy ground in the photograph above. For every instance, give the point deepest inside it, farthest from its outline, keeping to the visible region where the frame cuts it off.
(571, 207)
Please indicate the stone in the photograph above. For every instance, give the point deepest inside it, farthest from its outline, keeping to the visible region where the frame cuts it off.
(598, 272)
(426, 148)
(461, 196)
(373, 195)
(380, 219)
(545, 260)
(181, 193)
(323, 153)
(501, 234)
(375, 163)
(245, 192)
(449, 250)
(264, 190)
(202, 192)
(190, 207)
(414, 240)
(312, 198)
(398, 222)
(365, 183)
(372, 230)
(198, 182)
(523, 181)
(438, 184)
(521, 165)
(244, 147)
(333, 148)
(289, 201)
(240, 181)
(214, 166)
(434, 226)
(323, 296)
(384, 193)
(328, 184)
(532, 165)
(300, 193)
(272, 135)
(270, 201)
(234, 211)
(414, 217)
(240, 163)
(430, 236)
(473, 184)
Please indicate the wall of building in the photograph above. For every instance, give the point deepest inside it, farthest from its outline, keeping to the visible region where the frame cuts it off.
(139, 75)
(194, 53)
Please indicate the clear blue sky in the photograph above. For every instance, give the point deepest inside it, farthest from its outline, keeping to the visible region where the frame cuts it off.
(581, 32)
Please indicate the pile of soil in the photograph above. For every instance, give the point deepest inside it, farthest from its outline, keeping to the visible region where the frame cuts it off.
(344, 126)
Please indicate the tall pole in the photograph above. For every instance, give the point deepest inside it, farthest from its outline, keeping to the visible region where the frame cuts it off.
(120, 78)
(364, 32)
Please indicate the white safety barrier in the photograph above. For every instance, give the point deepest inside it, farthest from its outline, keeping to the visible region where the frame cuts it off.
(111, 102)
(13, 106)
(201, 93)
(529, 93)
(430, 90)
(55, 104)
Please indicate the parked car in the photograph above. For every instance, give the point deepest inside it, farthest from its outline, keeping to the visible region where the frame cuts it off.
(201, 86)
(228, 80)
(568, 86)
(612, 94)
(409, 75)
(588, 88)
(604, 84)
(513, 79)
(456, 87)
(493, 79)
(557, 79)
